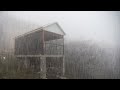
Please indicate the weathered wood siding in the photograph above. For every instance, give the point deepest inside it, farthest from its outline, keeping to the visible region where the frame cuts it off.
(30, 44)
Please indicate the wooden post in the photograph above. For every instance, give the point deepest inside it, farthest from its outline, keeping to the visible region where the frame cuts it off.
(63, 66)
(43, 60)
(26, 64)
(63, 58)
(63, 46)
(43, 41)
(43, 67)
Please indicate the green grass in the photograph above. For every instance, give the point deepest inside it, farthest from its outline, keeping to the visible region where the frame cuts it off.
(9, 69)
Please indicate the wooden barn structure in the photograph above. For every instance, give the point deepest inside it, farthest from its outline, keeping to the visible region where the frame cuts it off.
(43, 50)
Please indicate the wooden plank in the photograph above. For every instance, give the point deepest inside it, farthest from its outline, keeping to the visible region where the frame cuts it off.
(39, 55)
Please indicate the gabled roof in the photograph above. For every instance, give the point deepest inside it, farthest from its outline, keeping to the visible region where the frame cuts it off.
(54, 27)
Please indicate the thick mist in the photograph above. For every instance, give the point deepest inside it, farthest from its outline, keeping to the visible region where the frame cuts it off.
(101, 26)
(92, 44)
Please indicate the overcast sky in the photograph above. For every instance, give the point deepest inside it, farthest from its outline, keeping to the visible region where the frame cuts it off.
(101, 26)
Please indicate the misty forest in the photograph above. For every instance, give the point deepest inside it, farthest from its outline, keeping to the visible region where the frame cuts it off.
(91, 43)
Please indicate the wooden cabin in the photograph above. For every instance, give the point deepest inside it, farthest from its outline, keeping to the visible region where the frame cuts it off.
(43, 49)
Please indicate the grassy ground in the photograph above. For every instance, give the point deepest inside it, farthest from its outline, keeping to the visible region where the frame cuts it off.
(10, 69)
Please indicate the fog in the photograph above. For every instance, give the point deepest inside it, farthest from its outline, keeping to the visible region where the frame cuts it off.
(91, 42)
(101, 26)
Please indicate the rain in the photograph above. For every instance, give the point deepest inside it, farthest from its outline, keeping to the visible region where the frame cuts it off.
(91, 44)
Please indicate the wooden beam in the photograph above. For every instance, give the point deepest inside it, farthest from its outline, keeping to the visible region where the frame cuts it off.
(39, 55)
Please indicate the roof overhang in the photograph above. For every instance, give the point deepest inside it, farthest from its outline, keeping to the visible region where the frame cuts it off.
(54, 28)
